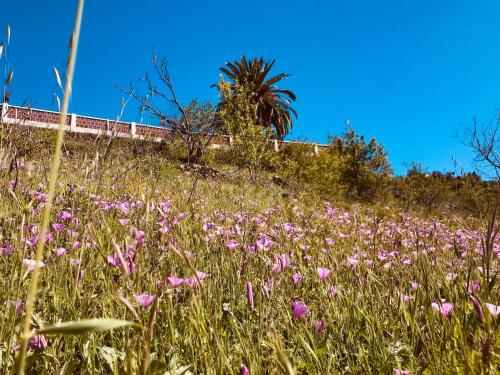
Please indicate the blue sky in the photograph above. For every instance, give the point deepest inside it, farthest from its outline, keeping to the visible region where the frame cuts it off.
(409, 73)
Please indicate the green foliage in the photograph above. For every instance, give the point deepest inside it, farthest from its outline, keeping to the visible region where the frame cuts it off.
(350, 167)
(364, 166)
(445, 191)
(272, 104)
(421, 188)
(251, 142)
(305, 170)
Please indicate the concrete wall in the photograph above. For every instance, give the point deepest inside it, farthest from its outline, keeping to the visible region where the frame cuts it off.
(39, 118)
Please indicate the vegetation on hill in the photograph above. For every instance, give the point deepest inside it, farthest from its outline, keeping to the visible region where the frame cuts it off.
(225, 274)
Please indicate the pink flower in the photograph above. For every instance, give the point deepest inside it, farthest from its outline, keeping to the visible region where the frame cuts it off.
(144, 300)
(60, 251)
(352, 262)
(244, 370)
(296, 277)
(74, 262)
(249, 295)
(164, 229)
(281, 263)
(208, 226)
(268, 286)
(6, 250)
(444, 308)
(175, 281)
(64, 215)
(474, 286)
(414, 285)
(232, 245)
(32, 264)
(288, 227)
(300, 309)
(32, 241)
(128, 262)
(201, 275)
(333, 290)
(403, 297)
(58, 228)
(389, 264)
(124, 222)
(320, 325)
(451, 276)
(493, 309)
(477, 307)
(18, 304)
(330, 241)
(401, 372)
(37, 342)
(323, 273)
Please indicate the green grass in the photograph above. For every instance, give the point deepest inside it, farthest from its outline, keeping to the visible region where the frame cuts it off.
(211, 329)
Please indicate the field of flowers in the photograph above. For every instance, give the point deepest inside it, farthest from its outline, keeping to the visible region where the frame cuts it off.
(235, 278)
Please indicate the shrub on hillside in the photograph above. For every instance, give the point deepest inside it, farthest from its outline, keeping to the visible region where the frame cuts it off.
(251, 142)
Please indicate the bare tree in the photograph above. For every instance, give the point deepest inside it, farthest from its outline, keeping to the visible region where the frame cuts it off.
(194, 124)
(485, 143)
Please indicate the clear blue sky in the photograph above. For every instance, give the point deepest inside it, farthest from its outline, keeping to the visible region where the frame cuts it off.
(409, 73)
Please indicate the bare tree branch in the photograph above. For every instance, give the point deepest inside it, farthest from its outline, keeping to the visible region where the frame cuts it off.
(485, 143)
(195, 124)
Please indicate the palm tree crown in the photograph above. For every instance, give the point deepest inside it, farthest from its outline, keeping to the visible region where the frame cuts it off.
(273, 103)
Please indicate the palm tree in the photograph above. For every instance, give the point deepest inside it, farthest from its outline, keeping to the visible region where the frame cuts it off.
(273, 103)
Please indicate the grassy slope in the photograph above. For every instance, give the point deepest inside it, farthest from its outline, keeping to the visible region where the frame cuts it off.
(237, 233)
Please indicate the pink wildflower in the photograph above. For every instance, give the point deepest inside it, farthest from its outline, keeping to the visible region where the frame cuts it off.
(37, 342)
(32, 264)
(244, 370)
(474, 286)
(6, 250)
(144, 300)
(493, 309)
(444, 308)
(58, 227)
(333, 290)
(352, 262)
(300, 309)
(323, 273)
(249, 294)
(74, 262)
(175, 281)
(296, 277)
(320, 325)
(18, 304)
(414, 285)
(124, 222)
(330, 241)
(477, 307)
(60, 251)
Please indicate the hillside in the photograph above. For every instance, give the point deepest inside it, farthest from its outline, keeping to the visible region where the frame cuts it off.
(226, 275)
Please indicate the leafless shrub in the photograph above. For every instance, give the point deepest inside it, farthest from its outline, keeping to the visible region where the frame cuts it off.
(485, 143)
(194, 124)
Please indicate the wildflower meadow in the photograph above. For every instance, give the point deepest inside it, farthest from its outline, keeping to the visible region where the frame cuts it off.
(236, 278)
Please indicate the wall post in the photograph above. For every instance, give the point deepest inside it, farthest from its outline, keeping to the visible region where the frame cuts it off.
(316, 149)
(276, 146)
(133, 129)
(72, 125)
